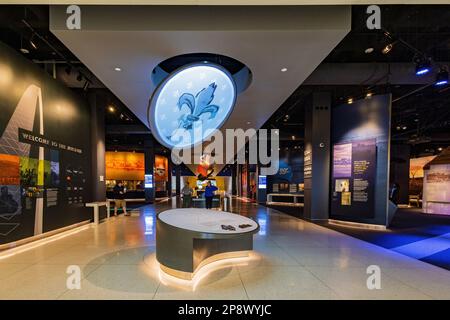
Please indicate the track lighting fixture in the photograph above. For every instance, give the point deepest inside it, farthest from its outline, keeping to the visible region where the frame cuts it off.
(423, 65)
(442, 77)
(33, 42)
(388, 47)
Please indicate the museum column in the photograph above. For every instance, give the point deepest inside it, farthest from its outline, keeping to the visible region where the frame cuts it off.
(234, 179)
(178, 180)
(149, 155)
(97, 103)
(317, 157)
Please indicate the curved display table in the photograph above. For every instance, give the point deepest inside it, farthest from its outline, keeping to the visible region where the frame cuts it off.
(187, 239)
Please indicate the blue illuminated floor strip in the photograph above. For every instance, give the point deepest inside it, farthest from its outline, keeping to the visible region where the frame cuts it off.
(424, 248)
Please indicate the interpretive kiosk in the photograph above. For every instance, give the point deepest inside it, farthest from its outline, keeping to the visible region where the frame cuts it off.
(187, 239)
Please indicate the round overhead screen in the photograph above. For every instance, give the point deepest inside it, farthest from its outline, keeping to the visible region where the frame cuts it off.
(190, 104)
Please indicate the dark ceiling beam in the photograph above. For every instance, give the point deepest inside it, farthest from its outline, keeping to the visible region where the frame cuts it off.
(127, 129)
(368, 74)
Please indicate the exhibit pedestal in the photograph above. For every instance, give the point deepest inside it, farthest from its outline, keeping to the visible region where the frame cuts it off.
(188, 239)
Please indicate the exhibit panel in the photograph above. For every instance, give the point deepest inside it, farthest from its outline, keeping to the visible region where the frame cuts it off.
(360, 161)
(436, 185)
(44, 150)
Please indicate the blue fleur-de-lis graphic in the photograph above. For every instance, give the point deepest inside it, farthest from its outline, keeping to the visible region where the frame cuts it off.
(198, 105)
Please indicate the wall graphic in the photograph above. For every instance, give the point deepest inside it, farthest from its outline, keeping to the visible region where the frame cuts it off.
(125, 166)
(44, 151)
(416, 166)
(360, 150)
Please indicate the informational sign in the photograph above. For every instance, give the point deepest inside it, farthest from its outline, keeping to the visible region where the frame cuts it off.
(354, 169)
(436, 189)
(262, 182)
(148, 181)
(342, 160)
(360, 135)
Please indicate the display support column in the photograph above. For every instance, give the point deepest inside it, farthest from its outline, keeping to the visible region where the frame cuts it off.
(317, 157)
(178, 180)
(169, 177)
(234, 179)
(149, 155)
(97, 104)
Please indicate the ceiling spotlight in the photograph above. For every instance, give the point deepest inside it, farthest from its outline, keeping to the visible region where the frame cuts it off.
(369, 95)
(293, 137)
(440, 149)
(118, 69)
(423, 66)
(22, 48)
(283, 69)
(111, 109)
(404, 127)
(350, 100)
(33, 42)
(388, 48)
(441, 77)
(79, 77)
(369, 50)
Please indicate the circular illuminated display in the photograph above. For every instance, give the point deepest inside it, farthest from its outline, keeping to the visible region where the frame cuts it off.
(190, 104)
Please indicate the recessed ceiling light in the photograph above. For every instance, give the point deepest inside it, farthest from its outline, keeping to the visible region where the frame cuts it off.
(369, 50)
(283, 69)
(24, 50)
(118, 69)
(350, 100)
(439, 149)
(111, 109)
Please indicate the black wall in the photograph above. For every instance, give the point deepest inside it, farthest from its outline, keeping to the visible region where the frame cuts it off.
(66, 145)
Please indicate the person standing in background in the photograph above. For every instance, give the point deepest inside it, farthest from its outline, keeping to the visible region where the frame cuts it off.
(209, 194)
(119, 198)
(187, 195)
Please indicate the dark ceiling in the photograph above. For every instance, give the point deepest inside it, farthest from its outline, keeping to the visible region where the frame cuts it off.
(420, 113)
(19, 24)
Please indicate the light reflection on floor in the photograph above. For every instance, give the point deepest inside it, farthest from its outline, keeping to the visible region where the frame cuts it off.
(296, 260)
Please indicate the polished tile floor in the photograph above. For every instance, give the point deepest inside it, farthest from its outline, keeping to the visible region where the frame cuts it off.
(293, 259)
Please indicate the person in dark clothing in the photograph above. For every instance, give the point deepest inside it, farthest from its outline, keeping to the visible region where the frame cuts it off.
(394, 195)
(209, 194)
(119, 198)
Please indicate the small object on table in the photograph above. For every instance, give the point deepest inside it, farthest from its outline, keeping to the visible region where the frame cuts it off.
(243, 226)
(228, 227)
